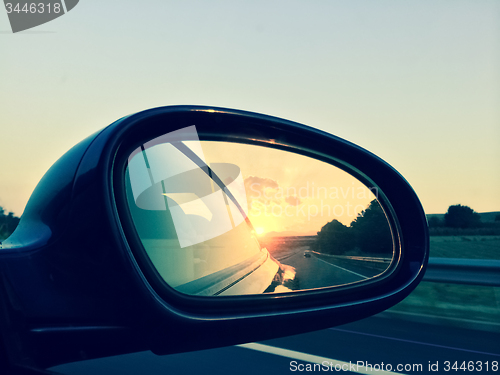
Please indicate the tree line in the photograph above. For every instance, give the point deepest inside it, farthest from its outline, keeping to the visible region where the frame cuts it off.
(459, 216)
(369, 234)
(8, 223)
(462, 220)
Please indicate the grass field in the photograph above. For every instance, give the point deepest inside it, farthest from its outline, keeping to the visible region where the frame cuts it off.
(469, 247)
(457, 304)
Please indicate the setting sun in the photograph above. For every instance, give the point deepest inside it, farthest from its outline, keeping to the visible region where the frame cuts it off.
(259, 230)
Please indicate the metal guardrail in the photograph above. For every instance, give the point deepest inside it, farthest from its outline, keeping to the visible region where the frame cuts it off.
(452, 270)
(352, 257)
(463, 271)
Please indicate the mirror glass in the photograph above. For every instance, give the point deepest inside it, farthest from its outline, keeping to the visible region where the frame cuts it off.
(222, 218)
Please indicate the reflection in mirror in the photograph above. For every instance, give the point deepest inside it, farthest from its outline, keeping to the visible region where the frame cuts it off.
(221, 218)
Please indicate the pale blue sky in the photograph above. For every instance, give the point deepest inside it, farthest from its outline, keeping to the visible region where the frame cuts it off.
(415, 82)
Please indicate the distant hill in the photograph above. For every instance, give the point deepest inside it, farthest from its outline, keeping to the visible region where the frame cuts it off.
(486, 217)
(287, 234)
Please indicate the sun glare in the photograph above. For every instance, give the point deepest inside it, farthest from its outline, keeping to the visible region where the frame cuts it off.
(259, 230)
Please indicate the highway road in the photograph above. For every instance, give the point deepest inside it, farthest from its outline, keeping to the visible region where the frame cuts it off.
(319, 270)
(314, 272)
(374, 341)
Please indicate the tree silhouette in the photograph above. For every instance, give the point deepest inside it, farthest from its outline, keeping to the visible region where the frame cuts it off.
(334, 238)
(8, 223)
(459, 216)
(369, 233)
(372, 231)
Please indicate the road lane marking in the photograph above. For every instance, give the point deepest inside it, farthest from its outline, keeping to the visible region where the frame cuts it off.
(415, 342)
(307, 357)
(324, 261)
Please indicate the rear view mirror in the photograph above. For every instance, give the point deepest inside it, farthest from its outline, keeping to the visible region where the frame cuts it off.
(224, 218)
(184, 228)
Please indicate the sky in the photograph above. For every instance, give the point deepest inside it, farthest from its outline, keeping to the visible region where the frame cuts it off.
(415, 82)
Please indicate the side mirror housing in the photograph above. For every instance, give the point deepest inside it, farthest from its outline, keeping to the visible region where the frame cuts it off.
(80, 277)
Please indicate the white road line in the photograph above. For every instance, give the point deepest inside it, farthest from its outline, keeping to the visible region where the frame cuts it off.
(413, 342)
(365, 277)
(312, 358)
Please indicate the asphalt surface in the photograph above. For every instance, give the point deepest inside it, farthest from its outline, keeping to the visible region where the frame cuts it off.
(373, 341)
(319, 271)
(313, 272)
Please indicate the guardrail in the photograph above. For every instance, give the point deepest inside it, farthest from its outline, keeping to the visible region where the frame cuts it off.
(449, 270)
(352, 257)
(463, 271)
